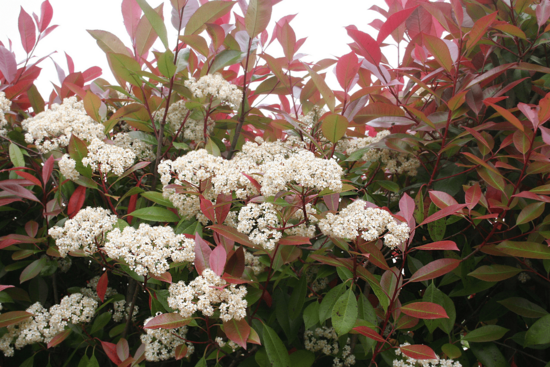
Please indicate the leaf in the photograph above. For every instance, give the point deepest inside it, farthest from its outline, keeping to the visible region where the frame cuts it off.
(257, 16)
(440, 245)
(494, 273)
(27, 31)
(491, 178)
(58, 339)
(110, 350)
(167, 321)
(156, 21)
(145, 35)
(439, 50)
(232, 234)
(155, 214)
(424, 310)
(325, 309)
(225, 58)
(480, 29)
(346, 70)
(181, 351)
(125, 69)
(237, 331)
(275, 349)
(311, 315)
(537, 333)
(369, 333)
(102, 286)
(542, 13)
(366, 45)
(418, 351)
(294, 241)
(297, 298)
(530, 212)
(207, 13)
(530, 250)
(14, 317)
(235, 263)
(109, 43)
(202, 254)
(131, 13)
(46, 14)
(344, 313)
(16, 156)
(92, 104)
(76, 201)
(393, 22)
(302, 358)
(8, 65)
(217, 260)
(435, 269)
(32, 270)
(508, 116)
(207, 208)
(450, 210)
(334, 127)
(486, 333)
(326, 92)
(122, 349)
(375, 256)
(523, 307)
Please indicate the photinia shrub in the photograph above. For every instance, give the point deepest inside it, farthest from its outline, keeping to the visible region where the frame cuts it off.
(222, 206)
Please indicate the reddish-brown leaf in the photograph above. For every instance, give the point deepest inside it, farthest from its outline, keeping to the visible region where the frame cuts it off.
(369, 333)
(472, 196)
(223, 206)
(480, 29)
(418, 351)
(47, 170)
(46, 15)
(110, 350)
(393, 22)
(232, 234)
(435, 269)
(217, 260)
(207, 208)
(181, 351)
(102, 287)
(29, 177)
(440, 245)
(237, 331)
(58, 339)
(420, 21)
(27, 30)
(450, 210)
(346, 70)
(164, 277)
(202, 254)
(76, 201)
(424, 310)
(366, 45)
(14, 317)
(442, 199)
(167, 321)
(294, 241)
(123, 349)
(19, 191)
(235, 263)
(332, 201)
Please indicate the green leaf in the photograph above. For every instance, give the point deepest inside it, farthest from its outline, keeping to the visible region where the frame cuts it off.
(166, 65)
(158, 198)
(439, 50)
(451, 350)
(225, 58)
(156, 21)
(311, 315)
(530, 250)
(298, 298)
(207, 13)
(486, 333)
(389, 185)
(538, 332)
(276, 351)
(155, 214)
(325, 309)
(530, 212)
(334, 127)
(257, 16)
(33, 269)
(365, 310)
(344, 313)
(494, 273)
(436, 228)
(326, 92)
(108, 42)
(16, 156)
(100, 322)
(523, 307)
(125, 69)
(489, 355)
(302, 358)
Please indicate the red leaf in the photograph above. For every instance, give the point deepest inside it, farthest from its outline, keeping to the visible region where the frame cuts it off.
(202, 254)
(420, 21)
(76, 201)
(366, 45)
(369, 333)
(235, 263)
(110, 350)
(394, 21)
(332, 201)
(232, 234)
(442, 199)
(508, 116)
(543, 12)
(31, 227)
(46, 15)
(102, 287)
(14, 317)
(424, 310)
(181, 351)
(418, 351)
(2, 287)
(167, 321)
(58, 339)
(530, 111)
(450, 210)
(472, 196)
(294, 241)
(435, 269)
(17, 190)
(27, 30)
(223, 206)
(29, 177)
(406, 205)
(207, 208)
(123, 349)
(346, 70)
(47, 170)
(217, 260)
(165, 277)
(237, 331)
(91, 73)
(254, 182)
(440, 245)
(480, 29)
(131, 13)
(287, 39)
(8, 65)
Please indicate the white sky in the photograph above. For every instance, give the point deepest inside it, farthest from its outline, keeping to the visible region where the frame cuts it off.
(321, 21)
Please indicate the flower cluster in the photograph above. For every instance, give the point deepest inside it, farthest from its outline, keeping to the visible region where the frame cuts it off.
(221, 343)
(193, 129)
(325, 340)
(147, 249)
(370, 223)
(105, 158)
(5, 106)
(53, 128)
(253, 263)
(86, 231)
(394, 162)
(205, 291)
(217, 87)
(259, 222)
(141, 150)
(120, 310)
(160, 344)
(411, 362)
(45, 324)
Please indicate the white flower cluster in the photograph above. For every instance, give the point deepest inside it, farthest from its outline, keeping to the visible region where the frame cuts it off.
(221, 343)
(120, 310)
(160, 344)
(394, 162)
(370, 223)
(411, 362)
(259, 222)
(67, 166)
(53, 128)
(45, 324)
(204, 292)
(253, 263)
(85, 231)
(325, 339)
(308, 120)
(5, 106)
(147, 249)
(216, 86)
(193, 129)
(105, 157)
(303, 229)
(142, 150)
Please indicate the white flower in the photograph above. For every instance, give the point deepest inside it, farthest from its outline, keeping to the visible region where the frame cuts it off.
(259, 221)
(5, 106)
(160, 344)
(215, 86)
(106, 157)
(67, 166)
(193, 129)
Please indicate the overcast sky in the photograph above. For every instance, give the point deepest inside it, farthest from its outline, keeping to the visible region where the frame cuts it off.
(321, 21)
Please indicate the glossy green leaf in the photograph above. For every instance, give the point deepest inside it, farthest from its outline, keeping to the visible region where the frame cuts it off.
(225, 58)
(530, 212)
(538, 332)
(257, 16)
(494, 273)
(523, 307)
(334, 127)
(325, 309)
(155, 214)
(276, 351)
(344, 313)
(326, 92)
(166, 65)
(33, 269)
(486, 333)
(16, 156)
(125, 68)
(155, 20)
(530, 250)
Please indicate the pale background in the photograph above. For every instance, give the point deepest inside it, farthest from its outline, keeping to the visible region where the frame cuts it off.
(321, 21)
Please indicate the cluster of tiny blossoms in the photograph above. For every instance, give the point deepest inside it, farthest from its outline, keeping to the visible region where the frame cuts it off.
(86, 231)
(221, 343)
(120, 310)
(217, 87)
(105, 157)
(177, 115)
(325, 340)
(370, 223)
(259, 222)
(160, 344)
(45, 324)
(411, 362)
(253, 263)
(394, 162)
(147, 249)
(205, 291)
(5, 106)
(53, 128)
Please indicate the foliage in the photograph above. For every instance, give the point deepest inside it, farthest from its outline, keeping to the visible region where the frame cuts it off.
(224, 206)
